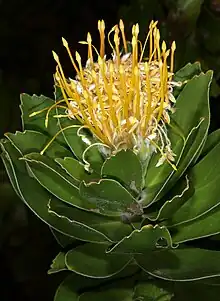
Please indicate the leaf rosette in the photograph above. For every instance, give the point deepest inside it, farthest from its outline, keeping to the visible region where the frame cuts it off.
(124, 181)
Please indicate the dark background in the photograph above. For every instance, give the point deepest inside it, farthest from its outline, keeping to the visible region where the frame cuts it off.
(29, 31)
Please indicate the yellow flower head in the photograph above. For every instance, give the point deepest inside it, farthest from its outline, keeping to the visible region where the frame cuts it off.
(124, 100)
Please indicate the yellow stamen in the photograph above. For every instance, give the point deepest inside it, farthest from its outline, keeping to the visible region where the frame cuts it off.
(57, 134)
(65, 44)
(134, 51)
(117, 43)
(109, 41)
(147, 109)
(161, 90)
(173, 48)
(137, 94)
(101, 28)
(112, 108)
(124, 92)
(89, 41)
(121, 26)
(78, 59)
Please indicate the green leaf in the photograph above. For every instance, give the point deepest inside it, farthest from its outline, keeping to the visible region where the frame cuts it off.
(34, 103)
(189, 11)
(56, 181)
(118, 291)
(72, 285)
(196, 291)
(58, 264)
(31, 141)
(75, 285)
(108, 197)
(92, 157)
(6, 161)
(38, 199)
(212, 140)
(181, 264)
(74, 168)
(91, 260)
(177, 196)
(111, 228)
(204, 226)
(62, 239)
(186, 73)
(125, 167)
(140, 241)
(192, 117)
(149, 291)
(70, 130)
(204, 177)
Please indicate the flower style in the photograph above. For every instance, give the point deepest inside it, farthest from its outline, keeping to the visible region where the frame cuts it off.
(125, 101)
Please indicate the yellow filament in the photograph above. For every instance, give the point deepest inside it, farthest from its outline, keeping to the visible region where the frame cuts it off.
(147, 112)
(112, 107)
(89, 41)
(109, 41)
(158, 44)
(121, 26)
(78, 59)
(124, 92)
(55, 136)
(137, 94)
(117, 43)
(65, 44)
(101, 28)
(76, 97)
(49, 110)
(161, 90)
(134, 51)
(173, 48)
(92, 115)
(61, 78)
(165, 72)
(136, 32)
(99, 96)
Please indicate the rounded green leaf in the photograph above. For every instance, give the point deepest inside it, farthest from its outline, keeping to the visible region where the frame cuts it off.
(111, 228)
(140, 241)
(91, 260)
(73, 285)
(108, 197)
(181, 264)
(74, 168)
(126, 167)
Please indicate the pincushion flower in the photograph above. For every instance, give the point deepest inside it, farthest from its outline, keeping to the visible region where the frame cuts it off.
(97, 165)
(125, 100)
